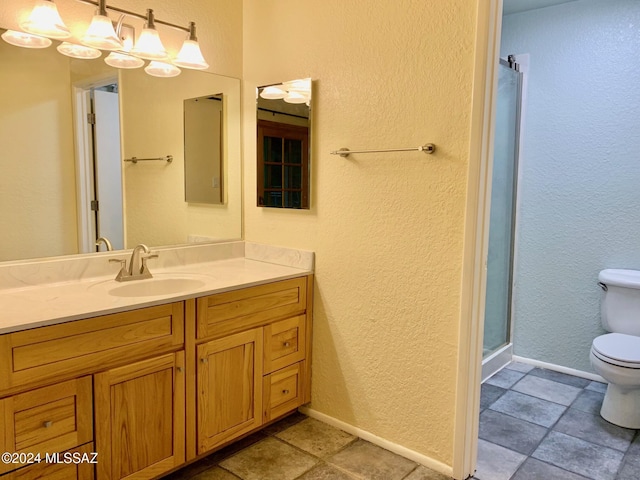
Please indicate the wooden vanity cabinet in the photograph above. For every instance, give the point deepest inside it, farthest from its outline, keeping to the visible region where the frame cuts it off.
(47, 419)
(59, 471)
(153, 388)
(119, 372)
(253, 353)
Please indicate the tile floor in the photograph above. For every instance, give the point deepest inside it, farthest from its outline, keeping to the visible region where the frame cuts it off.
(535, 424)
(301, 448)
(538, 424)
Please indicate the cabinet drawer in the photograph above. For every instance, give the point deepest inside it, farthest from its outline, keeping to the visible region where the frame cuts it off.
(284, 343)
(47, 420)
(282, 391)
(231, 312)
(74, 348)
(60, 471)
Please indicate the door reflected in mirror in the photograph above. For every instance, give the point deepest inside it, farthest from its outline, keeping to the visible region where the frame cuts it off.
(203, 130)
(283, 144)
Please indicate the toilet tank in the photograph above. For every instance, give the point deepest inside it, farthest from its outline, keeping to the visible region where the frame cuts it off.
(620, 305)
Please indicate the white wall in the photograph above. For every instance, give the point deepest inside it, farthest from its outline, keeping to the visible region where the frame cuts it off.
(37, 170)
(579, 202)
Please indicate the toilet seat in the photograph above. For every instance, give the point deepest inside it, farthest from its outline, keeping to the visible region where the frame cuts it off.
(618, 349)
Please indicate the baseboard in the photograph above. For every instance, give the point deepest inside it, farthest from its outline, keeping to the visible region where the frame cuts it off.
(381, 442)
(560, 368)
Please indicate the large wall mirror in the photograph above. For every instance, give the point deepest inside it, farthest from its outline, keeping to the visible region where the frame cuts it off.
(283, 144)
(49, 193)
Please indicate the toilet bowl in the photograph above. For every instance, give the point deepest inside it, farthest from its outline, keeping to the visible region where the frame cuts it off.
(616, 358)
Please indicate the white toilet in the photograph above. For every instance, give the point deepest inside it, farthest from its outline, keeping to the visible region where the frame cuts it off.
(616, 356)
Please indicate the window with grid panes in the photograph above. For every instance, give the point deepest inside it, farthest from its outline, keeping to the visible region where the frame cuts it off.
(283, 165)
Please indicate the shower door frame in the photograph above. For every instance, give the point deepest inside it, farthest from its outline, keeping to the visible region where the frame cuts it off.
(502, 354)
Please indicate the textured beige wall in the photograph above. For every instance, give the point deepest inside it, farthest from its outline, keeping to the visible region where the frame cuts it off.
(387, 229)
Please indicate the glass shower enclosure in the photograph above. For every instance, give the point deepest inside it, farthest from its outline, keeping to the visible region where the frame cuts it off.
(497, 328)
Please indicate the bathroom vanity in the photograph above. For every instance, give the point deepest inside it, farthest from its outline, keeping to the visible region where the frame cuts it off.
(151, 382)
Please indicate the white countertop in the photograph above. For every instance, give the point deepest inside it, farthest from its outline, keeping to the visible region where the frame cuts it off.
(46, 304)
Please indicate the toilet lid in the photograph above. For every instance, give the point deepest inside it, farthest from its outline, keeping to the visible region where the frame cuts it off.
(619, 347)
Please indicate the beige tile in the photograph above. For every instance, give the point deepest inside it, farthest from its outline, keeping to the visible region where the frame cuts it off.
(371, 462)
(424, 473)
(316, 437)
(284, 423)
(189, 471)
(215, 473)
(326, 472)
(269, 459)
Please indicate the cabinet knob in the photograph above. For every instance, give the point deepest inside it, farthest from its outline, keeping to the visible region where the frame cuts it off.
(285, 392)
(285, 344)
(47, 424)
(204, 360)
(179, 369)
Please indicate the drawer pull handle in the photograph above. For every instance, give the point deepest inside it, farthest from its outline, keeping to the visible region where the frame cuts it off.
(285, 392)
(286, 344)
(47, 424)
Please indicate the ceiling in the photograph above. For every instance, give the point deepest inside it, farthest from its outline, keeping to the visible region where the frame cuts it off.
(516, 6)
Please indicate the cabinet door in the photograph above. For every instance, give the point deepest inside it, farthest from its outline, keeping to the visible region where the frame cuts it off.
(139, 418)
(229, 387)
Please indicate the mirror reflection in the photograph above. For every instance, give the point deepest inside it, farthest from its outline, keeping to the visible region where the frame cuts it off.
(203, 149)
(283, 144)
(65, 182)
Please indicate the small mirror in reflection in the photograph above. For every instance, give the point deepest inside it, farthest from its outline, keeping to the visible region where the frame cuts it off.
(203, 149)
(284, 114)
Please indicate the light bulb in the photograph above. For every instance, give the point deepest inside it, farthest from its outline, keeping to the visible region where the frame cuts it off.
(101, 34)
(161, 69)
(295, 97)
(122, 60)
(45, 20)
(78, 51)
(190, 55)
(273, 92)
(26, 40)
(149, 45)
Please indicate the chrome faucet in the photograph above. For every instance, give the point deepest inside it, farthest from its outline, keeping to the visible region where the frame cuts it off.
(106, 242)
(138, 269)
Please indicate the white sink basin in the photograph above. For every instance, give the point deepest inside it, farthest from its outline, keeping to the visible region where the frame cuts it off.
(158, 285)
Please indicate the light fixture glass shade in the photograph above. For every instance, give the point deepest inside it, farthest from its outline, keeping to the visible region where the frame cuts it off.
(101, 34)
(161, 69)
(149, 46)
(78, 51)
(45, 20)
(122, 60)
(190, 56)
(273, 92)
(302, 86)
(26, 40)
(295, 97)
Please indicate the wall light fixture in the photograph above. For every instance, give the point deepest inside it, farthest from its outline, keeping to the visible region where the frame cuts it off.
(44, 23)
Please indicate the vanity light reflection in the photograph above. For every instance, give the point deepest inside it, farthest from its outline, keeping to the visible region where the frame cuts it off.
(283, 144)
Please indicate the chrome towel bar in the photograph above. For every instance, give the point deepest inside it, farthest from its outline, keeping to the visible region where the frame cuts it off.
(168, 159)
(426, 148)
